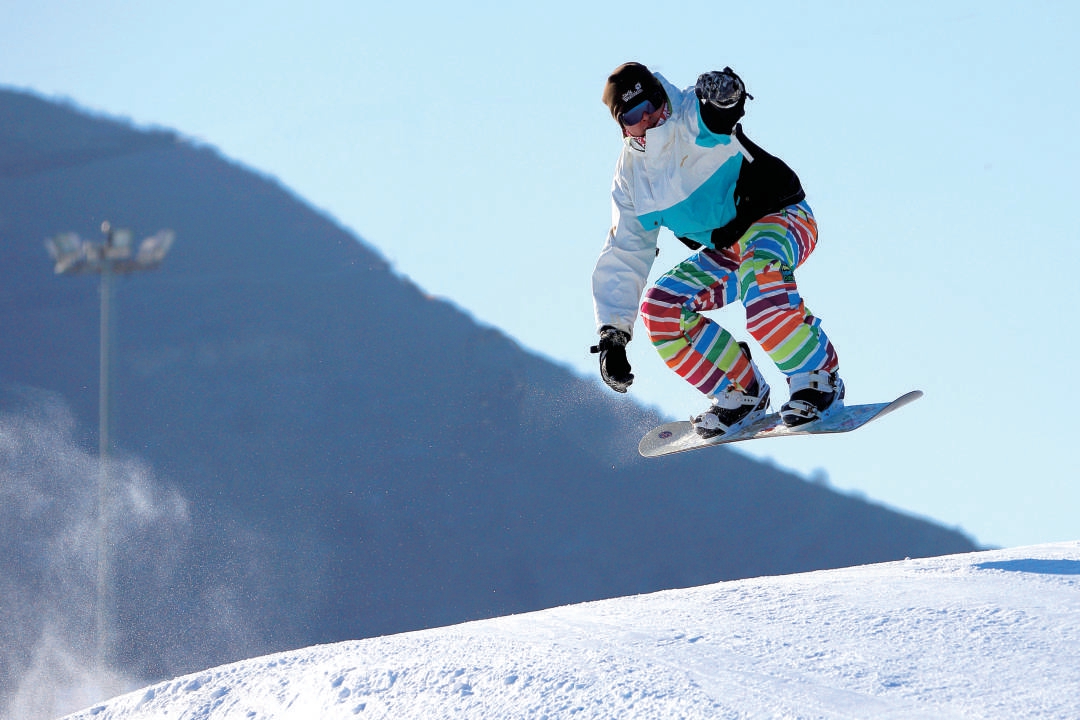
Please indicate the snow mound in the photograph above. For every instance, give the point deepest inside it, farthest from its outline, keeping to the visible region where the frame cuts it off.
(983, 635)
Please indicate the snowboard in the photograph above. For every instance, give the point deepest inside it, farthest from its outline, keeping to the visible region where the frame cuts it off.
(676, 437)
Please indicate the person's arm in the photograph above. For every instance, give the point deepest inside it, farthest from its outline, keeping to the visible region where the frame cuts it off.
(618, 282)
(623, 267)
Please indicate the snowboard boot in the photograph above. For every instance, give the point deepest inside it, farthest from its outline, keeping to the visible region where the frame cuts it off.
(733, 410)
(813, 396)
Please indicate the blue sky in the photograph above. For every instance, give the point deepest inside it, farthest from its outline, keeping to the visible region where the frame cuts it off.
(936, 140)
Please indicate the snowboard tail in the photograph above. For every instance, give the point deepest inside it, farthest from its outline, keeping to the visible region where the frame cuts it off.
(676, 437)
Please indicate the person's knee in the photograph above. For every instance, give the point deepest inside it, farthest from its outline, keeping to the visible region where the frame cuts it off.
(661, 312)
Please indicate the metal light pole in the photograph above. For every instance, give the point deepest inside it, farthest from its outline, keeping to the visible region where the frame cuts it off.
(113, 256)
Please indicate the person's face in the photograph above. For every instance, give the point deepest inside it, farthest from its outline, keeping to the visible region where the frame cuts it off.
(643, 116)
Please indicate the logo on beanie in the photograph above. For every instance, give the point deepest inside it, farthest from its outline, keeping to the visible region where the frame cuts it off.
(631, 94)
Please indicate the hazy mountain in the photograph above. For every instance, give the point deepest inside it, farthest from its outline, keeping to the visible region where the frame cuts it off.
(310, 449)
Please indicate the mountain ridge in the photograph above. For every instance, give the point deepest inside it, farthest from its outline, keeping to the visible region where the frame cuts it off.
(287, 406)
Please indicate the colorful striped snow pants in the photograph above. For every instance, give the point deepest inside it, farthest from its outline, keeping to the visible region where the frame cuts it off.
(758, 271)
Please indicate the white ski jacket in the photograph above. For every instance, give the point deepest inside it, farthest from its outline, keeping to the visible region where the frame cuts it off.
(686, 180)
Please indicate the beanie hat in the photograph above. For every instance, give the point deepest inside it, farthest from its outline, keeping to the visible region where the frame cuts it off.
(630, 84)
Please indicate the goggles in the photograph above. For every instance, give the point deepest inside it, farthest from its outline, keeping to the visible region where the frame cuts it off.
(634, 115)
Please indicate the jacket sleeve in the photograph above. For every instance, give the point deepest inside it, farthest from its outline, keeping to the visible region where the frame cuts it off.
(622, 270)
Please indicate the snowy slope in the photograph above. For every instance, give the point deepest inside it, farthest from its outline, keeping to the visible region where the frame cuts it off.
(984, 635)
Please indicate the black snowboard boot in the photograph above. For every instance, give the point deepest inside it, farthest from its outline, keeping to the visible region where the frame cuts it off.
(733, 410)
(813, 396)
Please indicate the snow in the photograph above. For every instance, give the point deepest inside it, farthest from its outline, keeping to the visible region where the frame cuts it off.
(984, 635)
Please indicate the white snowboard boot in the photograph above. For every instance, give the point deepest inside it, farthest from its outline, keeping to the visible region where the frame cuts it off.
(733, 410)
(813, 396)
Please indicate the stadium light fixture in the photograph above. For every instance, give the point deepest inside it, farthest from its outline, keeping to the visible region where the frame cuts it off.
(113, 256)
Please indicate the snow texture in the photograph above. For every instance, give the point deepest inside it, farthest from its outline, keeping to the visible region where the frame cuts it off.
(983, 635)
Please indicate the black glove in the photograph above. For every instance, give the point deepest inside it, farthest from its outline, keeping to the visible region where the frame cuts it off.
(614, 367)
(723, 98)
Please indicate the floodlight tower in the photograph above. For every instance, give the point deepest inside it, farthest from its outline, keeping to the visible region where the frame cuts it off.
(112, 256)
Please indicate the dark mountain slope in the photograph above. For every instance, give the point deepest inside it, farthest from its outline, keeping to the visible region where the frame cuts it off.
(353, 457)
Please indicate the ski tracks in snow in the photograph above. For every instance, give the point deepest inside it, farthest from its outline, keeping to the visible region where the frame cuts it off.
(985, 635)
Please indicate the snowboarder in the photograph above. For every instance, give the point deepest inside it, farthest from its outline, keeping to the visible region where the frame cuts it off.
(687, 165)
